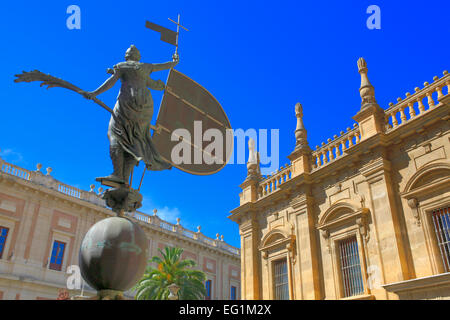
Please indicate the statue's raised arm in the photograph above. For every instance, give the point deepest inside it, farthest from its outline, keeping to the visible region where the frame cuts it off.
(166, 65)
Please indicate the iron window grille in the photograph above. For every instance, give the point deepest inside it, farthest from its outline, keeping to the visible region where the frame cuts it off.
(281, 281)
(352, 281)
(441, 223)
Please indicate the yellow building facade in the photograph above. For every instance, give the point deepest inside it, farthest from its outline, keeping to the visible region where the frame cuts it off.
(42, 224)
(364, 216)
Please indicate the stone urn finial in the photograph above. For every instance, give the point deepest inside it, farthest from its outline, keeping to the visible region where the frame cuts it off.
(253, 160)
(49, 171)
(367, 91)
(300, 131)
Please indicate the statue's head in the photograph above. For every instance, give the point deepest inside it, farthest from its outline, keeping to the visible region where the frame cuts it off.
(132, 54)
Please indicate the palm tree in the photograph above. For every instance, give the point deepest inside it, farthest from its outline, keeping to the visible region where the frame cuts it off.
(171, 269)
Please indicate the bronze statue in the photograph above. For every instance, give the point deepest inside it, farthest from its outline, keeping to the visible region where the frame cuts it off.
(184, 101)
(129, 127)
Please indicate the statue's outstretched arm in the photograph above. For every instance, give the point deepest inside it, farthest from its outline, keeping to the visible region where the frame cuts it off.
(108, 84)
(163, 66)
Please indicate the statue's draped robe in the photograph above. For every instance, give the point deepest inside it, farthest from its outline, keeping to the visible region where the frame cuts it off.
(130, 128)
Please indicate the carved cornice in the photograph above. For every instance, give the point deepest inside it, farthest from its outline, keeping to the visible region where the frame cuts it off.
(302, 201)
(375, 168)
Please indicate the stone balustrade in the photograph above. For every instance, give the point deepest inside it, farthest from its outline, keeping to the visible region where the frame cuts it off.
(15, 171)
(418, 103)
(91, 196)
(178, 228)
(272, 183)
(335, 148)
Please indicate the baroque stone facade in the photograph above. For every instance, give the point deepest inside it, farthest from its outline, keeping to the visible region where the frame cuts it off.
(364, 216)
(41, 216)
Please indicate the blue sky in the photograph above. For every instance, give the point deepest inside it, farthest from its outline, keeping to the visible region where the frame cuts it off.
(258, 58)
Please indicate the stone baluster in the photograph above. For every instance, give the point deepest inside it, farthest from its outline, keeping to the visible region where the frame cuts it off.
(412, 112)
(419, 102)
(350, 138)
(357, 137)
(447, 83)
(356, 134)
(402, 111)
(330, 150)
(429, 96)
(394, 119)
(338, 151)
(324, 153)
(440, 95)
(318, 161)
(344, 147)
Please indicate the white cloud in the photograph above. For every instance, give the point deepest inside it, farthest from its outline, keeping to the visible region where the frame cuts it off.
(169, 214)
(166, 213)
(12, 156)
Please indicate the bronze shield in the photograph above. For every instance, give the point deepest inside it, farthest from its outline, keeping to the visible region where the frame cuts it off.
(185, 102)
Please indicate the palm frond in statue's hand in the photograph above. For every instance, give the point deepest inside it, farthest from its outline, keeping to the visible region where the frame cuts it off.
(53, 82)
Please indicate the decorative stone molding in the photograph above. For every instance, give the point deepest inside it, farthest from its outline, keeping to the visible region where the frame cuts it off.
(414, 204)
(344, 213)
(326, 235)
(417, 185)
(363, 227)
(279, 238)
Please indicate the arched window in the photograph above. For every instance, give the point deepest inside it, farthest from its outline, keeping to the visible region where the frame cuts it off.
(344, 228)
(278, 253)
(427, 194)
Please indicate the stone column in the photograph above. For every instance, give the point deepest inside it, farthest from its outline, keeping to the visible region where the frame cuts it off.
(307, 264)
(389, 226)
(250, 258)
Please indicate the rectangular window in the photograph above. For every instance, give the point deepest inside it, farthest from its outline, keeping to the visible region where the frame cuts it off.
(56, 259)
(233, 293)
(350, 267)
(3, 236)
(281, 282)
(208, 286)
(441, 222)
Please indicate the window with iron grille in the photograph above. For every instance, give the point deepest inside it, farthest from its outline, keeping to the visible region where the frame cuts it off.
(3, 236)
(281, 282)
(441, 222)
(208, 286)
(233, 293)
(56, 259)
(352, 281)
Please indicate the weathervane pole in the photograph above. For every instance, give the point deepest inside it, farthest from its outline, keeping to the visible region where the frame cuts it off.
(178, 32)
